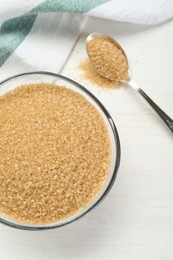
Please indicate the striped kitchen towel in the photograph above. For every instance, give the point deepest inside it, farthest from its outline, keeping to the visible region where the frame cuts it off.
(40, 34)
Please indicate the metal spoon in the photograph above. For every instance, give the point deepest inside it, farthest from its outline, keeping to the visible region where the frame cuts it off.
(130, 82)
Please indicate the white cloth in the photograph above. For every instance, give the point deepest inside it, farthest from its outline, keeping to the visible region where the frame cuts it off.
(53, 35)
(135, 11)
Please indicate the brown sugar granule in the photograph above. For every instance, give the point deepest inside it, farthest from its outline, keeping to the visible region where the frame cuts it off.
(54, 153)
(90, 75)
(107, 59)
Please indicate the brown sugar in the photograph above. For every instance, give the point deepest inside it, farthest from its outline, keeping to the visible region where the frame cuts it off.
(54, 153)
(107, 59)
(90, 75)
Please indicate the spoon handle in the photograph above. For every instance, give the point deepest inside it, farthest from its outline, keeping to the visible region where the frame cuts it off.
(168, 121)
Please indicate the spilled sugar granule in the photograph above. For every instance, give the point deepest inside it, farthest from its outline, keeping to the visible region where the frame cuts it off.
(90, 75)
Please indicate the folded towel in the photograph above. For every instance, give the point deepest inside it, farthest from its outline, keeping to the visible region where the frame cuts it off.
(37, 34)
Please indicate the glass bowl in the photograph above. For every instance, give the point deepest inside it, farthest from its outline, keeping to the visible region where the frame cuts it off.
(48, 77)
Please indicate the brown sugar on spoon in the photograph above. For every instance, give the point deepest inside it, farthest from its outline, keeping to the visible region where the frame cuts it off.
(107, 59)
(54, 153)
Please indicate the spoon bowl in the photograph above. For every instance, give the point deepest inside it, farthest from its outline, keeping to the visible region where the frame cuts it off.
(100, 36)
(104, 71)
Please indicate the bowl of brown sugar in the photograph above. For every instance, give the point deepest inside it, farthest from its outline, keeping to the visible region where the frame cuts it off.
(59, 151)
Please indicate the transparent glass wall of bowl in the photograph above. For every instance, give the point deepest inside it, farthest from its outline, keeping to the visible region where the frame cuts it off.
(46, 77)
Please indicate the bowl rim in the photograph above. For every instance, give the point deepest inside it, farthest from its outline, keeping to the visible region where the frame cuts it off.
(117, 145)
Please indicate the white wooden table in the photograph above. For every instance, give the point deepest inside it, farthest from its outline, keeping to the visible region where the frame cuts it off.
(135, 222)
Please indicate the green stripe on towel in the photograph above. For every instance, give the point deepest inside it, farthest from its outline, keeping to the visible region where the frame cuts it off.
(12, 33)
(72, 6)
